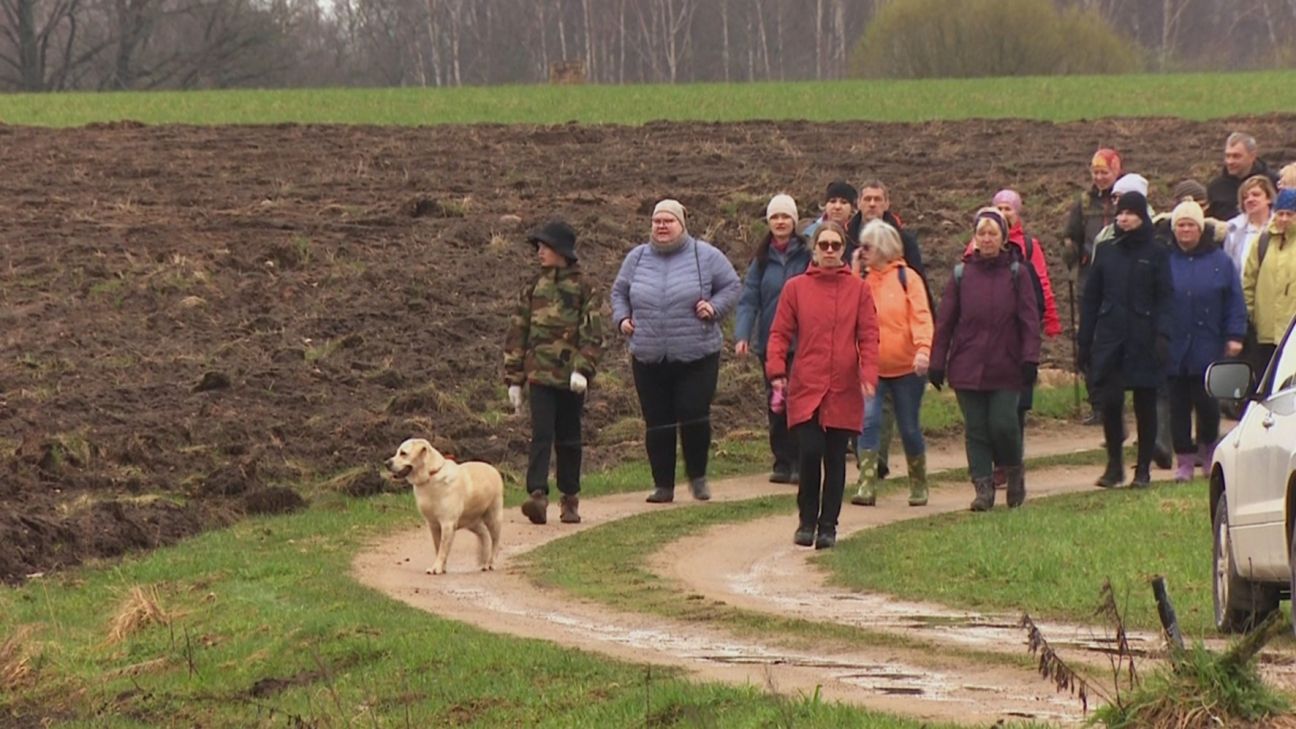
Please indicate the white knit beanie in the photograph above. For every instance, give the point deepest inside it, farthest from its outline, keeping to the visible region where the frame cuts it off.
(781, 203)
(1188, 209)
(1130, 182)
(671, 207)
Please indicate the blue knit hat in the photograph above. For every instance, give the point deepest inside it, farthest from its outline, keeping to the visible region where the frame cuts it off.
(1286, 200)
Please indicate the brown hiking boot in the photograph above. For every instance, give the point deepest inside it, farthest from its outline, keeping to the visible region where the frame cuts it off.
(570, 504)
(536, 507)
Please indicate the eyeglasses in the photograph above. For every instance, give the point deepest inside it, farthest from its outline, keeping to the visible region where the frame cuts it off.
(866, 246)
(830, 245)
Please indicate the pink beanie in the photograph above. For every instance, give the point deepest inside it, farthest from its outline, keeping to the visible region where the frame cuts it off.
(1008, 197)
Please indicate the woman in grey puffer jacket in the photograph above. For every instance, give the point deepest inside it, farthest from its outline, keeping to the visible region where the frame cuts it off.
(669, 299)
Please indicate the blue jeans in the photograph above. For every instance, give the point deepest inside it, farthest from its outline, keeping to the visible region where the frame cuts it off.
(906, 395)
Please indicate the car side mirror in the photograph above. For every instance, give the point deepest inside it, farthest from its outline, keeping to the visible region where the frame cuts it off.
(1230, 380)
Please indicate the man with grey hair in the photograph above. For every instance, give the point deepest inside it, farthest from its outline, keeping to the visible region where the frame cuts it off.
(1241, 161)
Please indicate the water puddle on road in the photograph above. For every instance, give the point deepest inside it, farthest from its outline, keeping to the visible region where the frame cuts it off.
(764, 578)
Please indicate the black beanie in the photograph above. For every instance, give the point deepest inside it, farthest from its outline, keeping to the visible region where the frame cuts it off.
(557, 235)
(841, 189)
(1134, 202)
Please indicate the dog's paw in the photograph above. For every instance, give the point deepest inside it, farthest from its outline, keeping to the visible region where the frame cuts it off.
(435, 571)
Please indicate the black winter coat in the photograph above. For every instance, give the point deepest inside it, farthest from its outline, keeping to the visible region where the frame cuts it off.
(1222, 191)
(1126, 320)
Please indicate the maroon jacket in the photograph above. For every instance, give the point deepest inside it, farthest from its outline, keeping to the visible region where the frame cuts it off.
(830, 314)
(988, 325)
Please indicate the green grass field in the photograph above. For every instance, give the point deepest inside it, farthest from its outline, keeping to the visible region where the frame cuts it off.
(1056, 98)
(260, 624)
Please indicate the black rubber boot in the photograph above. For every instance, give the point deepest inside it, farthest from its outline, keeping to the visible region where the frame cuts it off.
(1142, 477)
(1016, 485)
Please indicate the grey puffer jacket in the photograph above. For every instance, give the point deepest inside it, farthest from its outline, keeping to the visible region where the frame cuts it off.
(660, 291)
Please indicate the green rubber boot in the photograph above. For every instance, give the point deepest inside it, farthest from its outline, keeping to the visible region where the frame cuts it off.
(866, 485)
(917, 479)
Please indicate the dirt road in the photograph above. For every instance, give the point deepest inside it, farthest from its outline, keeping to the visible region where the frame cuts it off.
(754, 565)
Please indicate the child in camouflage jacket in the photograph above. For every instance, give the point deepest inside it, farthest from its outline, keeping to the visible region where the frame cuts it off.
(553, 345)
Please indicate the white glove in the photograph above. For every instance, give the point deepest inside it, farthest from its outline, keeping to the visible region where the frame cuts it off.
(515, 397)
(578, 383)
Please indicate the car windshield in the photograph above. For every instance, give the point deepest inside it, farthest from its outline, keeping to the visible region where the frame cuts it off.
(1284, 363)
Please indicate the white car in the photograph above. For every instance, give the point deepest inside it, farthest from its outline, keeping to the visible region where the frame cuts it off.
(1253, 491)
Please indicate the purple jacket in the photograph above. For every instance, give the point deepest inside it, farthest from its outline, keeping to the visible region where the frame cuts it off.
(988, 324)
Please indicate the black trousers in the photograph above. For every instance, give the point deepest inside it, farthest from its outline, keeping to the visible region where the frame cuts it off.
(783, 444)
(675, 398)
(556, 428)
(819, 501)
(1188, 395)
(1113, 412)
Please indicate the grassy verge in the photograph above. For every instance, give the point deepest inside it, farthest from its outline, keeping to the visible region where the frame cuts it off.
(1051, 98)
(1049, 558)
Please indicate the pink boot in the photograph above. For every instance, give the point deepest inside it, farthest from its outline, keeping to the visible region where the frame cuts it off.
(1184, 467)
(1205, 452)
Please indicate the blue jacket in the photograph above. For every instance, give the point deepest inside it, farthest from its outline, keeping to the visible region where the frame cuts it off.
(1208, 307)
(660, 291)
(762, 287)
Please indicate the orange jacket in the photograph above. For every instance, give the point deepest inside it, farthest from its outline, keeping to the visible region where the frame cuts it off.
(904, 319)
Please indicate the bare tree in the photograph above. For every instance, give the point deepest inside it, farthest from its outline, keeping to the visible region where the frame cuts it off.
(39, 41)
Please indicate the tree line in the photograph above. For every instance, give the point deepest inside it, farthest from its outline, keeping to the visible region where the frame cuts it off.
(55, 45)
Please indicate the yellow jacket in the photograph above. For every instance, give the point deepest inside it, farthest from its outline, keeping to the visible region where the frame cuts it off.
(1270, 289)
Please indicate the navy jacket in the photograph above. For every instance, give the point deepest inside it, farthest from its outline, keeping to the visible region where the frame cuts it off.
(762, 286)
(1125, 322)
(1208, 307)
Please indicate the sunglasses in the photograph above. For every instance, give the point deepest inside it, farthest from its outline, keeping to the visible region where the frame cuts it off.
(830, 245)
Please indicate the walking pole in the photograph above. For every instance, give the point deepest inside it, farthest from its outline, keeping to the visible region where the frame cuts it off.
(1075, 353)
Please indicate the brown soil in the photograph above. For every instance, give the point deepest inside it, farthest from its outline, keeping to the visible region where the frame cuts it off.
(191, 317)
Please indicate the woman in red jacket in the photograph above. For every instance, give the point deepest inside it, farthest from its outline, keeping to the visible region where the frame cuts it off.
(830, 314)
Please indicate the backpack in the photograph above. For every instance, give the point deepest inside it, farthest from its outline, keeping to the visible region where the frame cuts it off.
(1262, 247)
(1016, 272)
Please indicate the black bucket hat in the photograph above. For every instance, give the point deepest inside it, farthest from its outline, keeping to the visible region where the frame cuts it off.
(557, 235)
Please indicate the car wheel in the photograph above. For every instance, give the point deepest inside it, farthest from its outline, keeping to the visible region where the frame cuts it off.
(1240, 604)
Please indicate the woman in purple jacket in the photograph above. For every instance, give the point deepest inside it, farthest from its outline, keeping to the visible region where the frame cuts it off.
(988, 341)
(1208, 322)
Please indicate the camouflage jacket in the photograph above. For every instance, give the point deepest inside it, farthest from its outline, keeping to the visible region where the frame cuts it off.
(555, 330)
